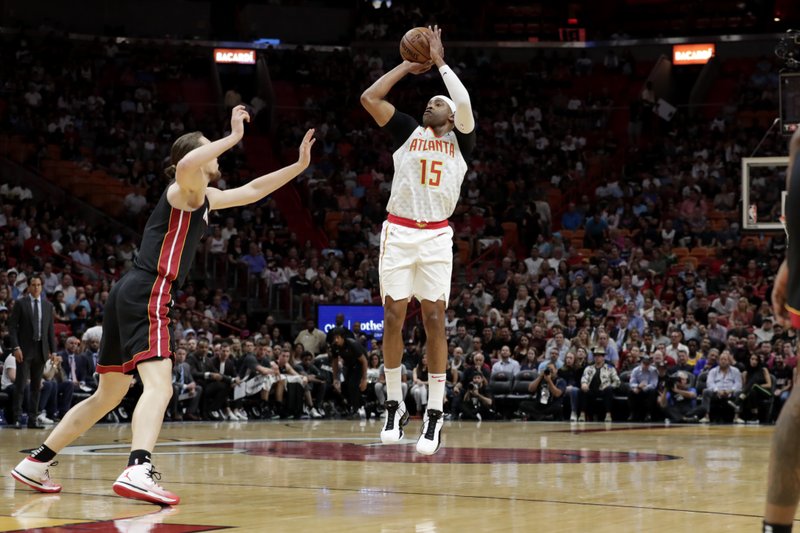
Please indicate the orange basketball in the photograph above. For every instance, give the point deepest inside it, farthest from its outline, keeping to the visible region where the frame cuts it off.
(414, 45)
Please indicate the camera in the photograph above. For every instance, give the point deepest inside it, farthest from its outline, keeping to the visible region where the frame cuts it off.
(547, 372)
(474, 387)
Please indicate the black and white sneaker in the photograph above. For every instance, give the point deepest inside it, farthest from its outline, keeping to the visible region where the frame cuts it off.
(396, 419)
(431, 438)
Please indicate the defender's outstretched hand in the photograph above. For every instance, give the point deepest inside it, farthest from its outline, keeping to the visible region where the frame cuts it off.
(238, 116)
(305, 148)
(436, 46)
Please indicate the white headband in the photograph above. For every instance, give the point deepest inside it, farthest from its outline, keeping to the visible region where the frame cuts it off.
(451, 103)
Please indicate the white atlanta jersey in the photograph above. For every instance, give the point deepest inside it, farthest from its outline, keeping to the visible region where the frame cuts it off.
(428, 172)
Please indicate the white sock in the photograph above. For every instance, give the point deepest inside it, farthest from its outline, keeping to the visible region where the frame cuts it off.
(436, 384)
(394, 388)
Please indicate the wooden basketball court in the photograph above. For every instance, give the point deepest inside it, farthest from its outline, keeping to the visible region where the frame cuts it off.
(335, 476)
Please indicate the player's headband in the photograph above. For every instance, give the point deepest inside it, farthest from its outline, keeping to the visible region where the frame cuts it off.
(451, 103)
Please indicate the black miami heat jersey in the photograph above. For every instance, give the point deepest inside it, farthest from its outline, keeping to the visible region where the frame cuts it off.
(170, 240)
(136, 323)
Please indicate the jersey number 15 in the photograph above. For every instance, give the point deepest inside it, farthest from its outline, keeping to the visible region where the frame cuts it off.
(434, 168)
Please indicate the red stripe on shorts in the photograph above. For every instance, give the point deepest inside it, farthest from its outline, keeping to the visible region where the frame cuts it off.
(169, 260)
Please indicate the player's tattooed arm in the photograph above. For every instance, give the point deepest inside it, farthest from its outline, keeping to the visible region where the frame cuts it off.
(374, 98)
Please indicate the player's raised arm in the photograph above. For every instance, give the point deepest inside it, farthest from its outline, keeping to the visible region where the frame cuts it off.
(374, 98)
(264, 185)
(188, 171)
(464, 120)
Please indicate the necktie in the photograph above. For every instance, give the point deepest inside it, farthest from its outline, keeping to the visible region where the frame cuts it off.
(37, 327)
(73, 376)
(181, 367)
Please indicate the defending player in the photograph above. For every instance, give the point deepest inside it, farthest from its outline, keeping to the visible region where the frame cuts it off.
(136, 330)
(416, 257)
(783, 490)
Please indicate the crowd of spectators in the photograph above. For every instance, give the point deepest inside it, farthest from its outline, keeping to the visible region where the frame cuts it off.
(601, 273)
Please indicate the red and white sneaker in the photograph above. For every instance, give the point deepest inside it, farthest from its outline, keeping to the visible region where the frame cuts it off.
(138, 482)
(36, 475)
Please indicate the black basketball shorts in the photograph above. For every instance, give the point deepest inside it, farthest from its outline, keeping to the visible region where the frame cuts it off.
(136, 326)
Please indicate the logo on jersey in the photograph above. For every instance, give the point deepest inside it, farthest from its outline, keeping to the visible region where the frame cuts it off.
(430, 145)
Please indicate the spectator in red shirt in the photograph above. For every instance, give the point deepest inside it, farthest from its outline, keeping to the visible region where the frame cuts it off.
(36, 249)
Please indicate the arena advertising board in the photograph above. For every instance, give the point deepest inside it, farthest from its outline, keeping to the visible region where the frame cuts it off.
(369, 316)
(238, 56)
(693, 54)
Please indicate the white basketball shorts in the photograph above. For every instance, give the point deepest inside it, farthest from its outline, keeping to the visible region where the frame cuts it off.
(415, 262)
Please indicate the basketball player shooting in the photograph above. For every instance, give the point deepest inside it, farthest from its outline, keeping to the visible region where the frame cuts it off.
(783, 487)
(136, 329)
(416, 256)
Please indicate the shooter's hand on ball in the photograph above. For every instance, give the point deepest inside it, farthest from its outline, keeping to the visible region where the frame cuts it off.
(435, 43)
(417, 68)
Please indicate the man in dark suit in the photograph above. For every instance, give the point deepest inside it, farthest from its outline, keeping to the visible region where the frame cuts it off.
(69, 356)
(33, 338)
(214, 392)
(619, 331)
(220, 369)
(87, 365)
(77, 369)
(183, 383)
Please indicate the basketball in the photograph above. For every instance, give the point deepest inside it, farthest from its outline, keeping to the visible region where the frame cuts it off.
(414, 45)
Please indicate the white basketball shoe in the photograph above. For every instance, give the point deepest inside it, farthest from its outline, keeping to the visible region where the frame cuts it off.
(396, 419)
(430, 440)
(139, 482)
